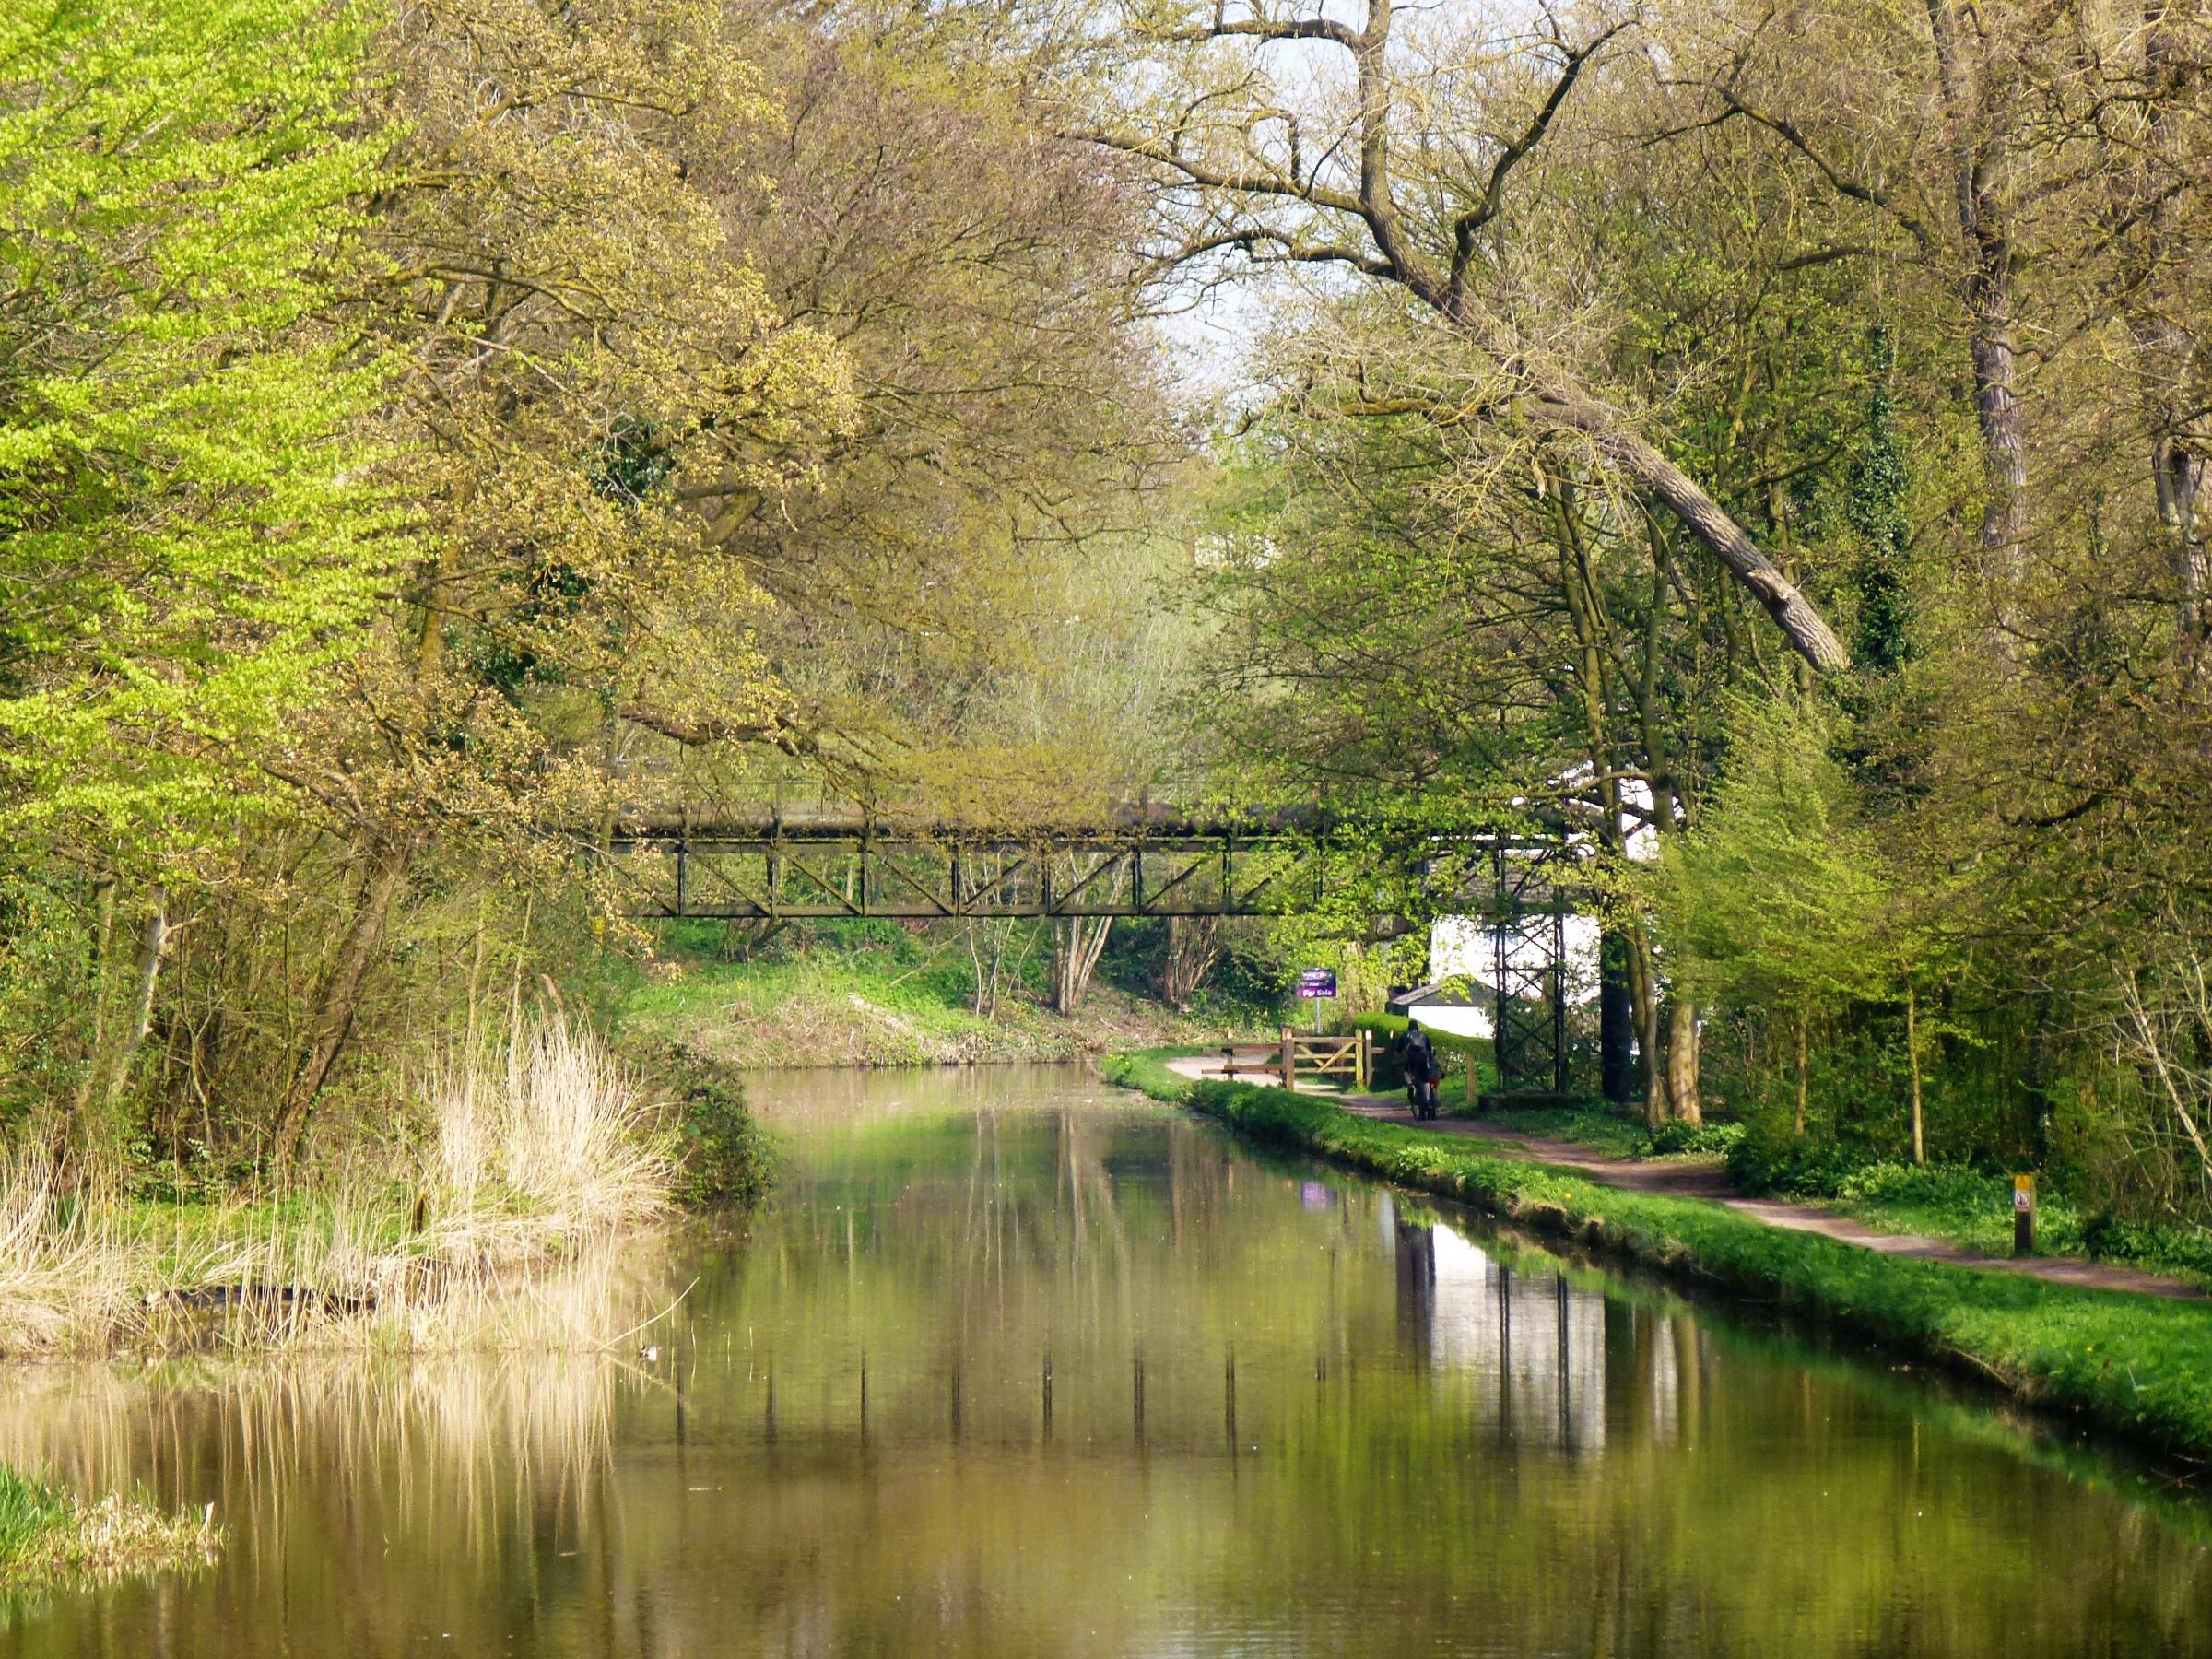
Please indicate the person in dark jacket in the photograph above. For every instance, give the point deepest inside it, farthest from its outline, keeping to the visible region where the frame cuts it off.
(1424, 1071)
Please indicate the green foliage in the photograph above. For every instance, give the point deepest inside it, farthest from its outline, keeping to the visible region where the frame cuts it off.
(1877, 511)
(1965, 1204)
(1779, 895)
(48, 1536)
(31, 1510)
(728, 1160)
(1672, 1138)
(190, 535)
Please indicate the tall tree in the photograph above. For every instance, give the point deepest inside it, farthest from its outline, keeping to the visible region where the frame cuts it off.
(190, 528)
(1245, 163)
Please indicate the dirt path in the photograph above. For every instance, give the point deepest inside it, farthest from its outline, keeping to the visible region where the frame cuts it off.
(1702, 1179)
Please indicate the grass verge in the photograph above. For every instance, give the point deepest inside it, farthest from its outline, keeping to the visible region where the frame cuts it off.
(2136, 1366)
(1961, 1204)
(50, 1537)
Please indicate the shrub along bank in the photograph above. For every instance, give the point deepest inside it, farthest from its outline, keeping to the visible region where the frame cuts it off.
(1967, 1205)
(2138, 1366)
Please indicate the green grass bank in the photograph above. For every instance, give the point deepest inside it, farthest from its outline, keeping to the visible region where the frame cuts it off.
(877, 993)
(51, 1538)
(2134, 1366)
(1969, 1205)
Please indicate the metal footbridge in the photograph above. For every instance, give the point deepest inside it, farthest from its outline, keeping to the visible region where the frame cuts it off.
(828, 862)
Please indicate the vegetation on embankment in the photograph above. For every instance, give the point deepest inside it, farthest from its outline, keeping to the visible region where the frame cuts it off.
(2138, 1366)
(48, 1536)
(501, 1179)
(1960, 1204)
(1963, 1205)
(878, 992)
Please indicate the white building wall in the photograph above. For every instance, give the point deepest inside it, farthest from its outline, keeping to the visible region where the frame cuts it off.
(1460, 946)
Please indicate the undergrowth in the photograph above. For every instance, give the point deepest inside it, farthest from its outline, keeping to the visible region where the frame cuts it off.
(1962, 1202)
(510, 1165)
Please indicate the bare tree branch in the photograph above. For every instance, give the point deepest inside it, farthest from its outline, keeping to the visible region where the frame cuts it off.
(1464, 227)
(1553, 398)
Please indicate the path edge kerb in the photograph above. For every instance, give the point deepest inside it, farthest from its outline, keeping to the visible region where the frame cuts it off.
(1956, 1317)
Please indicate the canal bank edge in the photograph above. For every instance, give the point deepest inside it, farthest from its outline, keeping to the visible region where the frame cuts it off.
(2134, 1366)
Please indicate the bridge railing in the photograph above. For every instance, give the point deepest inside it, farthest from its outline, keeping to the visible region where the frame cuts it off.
(1140, 861)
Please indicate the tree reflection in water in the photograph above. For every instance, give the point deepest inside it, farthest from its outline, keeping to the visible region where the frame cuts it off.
(1012, 1367)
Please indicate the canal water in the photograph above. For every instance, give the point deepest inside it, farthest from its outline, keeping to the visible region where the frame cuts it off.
(1019, 1365)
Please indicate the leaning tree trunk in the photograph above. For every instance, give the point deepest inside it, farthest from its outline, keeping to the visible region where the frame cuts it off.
(1368, 230)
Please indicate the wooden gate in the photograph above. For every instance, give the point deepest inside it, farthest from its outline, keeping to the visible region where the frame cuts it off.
(1350, 1057)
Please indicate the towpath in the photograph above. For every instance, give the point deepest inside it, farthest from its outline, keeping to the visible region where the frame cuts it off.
(1702, 1179)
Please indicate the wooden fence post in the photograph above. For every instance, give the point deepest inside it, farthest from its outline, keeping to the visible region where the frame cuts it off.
(1289, 1058)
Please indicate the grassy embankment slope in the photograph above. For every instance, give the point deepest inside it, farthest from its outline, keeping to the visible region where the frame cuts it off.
(875, 994)
(2133, 1365)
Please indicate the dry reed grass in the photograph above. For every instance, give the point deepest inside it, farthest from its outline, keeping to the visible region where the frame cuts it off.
(479, 1223)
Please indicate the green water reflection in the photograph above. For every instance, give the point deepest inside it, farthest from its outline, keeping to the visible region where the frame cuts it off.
(1021, 1366)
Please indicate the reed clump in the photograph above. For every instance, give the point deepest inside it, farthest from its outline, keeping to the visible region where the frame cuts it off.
(50, 1537)
(506, 1167)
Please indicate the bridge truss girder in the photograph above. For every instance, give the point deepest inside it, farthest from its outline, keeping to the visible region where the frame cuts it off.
(1528, 935)
(956, 877)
